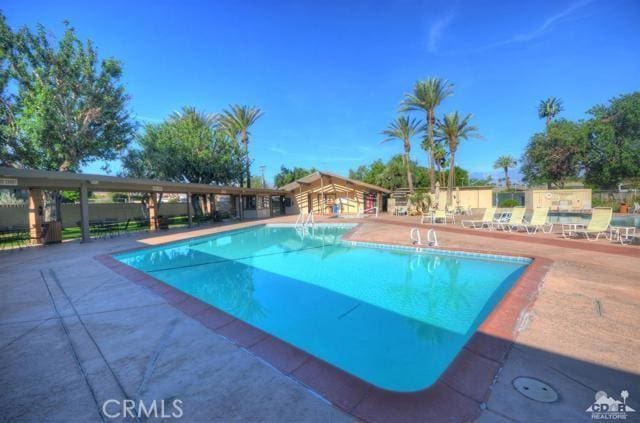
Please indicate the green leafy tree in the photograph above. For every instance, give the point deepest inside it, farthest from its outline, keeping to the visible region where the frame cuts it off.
(236, 122)
(186, 147)
(555, 156)
(368, 173)
(549, 108)
(427, 95)
(505, 163)
(403, 129)
(71, 107)
(453, 129)
(286, 175)
(613, 152)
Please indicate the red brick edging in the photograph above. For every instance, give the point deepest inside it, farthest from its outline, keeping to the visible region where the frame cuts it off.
(457, 395)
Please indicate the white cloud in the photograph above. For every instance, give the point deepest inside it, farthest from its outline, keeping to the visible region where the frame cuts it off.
(547, 25)
(437, 30)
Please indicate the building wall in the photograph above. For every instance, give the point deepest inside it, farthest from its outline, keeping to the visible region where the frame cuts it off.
(476, 198)
(558, 199)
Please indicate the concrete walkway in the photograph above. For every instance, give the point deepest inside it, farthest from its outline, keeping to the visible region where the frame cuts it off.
(73, 334)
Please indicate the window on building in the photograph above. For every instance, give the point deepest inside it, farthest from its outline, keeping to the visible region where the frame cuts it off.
(287, 201)
(249, 202)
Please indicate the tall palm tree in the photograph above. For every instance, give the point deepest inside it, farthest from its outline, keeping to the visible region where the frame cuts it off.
(236, 123)
(403, 129)
(549, 108)
(440, 159)
(453, 129)
(193, 114)
(505, 162)
(427, 96)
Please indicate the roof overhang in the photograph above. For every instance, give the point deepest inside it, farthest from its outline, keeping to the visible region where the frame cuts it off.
(43, 179)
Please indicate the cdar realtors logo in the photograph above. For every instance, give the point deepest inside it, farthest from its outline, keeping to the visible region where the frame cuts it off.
(609, 408)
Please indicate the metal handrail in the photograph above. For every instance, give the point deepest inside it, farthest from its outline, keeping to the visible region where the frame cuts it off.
(363, 212)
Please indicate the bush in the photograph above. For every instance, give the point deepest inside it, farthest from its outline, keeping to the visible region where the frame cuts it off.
(511, 202)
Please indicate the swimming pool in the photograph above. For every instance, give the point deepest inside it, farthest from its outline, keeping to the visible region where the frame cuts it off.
(393, 317)
(567, 217)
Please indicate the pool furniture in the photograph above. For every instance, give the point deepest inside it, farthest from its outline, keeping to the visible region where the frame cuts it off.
(622, 234)
(598, 225)
(636, 208)
(401, 211)
(515, 218)
(487, 219)
(537, 222)
(450, 214)
(426, 217)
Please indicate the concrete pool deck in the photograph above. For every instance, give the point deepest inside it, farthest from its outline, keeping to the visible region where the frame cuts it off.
(74, 334)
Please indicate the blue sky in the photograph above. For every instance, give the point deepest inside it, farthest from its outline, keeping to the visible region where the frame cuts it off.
(330, 75)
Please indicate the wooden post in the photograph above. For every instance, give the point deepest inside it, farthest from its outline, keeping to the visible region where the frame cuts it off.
(324, 200)
(84, 213)
(35, 215)
(212, 204)
(189, 210)
(207, 204)
(153, 210)
(241, 209)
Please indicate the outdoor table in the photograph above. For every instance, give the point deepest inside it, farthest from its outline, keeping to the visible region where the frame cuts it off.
(570, 229)
(622, 233)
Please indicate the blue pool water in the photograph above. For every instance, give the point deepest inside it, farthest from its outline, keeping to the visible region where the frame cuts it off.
(395, 318)
(562, 217)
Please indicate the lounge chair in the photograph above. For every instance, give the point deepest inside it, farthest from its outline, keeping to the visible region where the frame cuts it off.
(537, 222)
(636, 208)
(487, 219)
(598, 225)
(515, 218)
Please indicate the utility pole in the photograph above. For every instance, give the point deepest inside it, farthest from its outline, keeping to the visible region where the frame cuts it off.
(264, 182)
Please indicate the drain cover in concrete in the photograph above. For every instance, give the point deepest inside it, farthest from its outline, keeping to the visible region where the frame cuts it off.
(535, 389)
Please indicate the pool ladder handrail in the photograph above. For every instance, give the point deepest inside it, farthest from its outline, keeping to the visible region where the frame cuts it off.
(305, 220)
(416, 239)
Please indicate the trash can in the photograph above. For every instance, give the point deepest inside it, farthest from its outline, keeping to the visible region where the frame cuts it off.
(53, 232)
(163, 222)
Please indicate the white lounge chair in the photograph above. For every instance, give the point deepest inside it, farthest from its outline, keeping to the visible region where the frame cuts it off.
(487, 219)
(598, 225)
(537, 222)
(515, 218)
(636, 208)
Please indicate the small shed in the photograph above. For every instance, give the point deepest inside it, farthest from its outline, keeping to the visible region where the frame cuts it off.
(573, 199)
(324, 192)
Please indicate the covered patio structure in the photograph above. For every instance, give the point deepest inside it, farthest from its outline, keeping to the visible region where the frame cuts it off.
(320, 192)
(246, 202)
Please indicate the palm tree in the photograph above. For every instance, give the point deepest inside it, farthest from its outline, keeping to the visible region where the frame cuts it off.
(193, 114)
(426, 96)
(549, 108)
(505, 162)
(453, 129)
(236, 123)
(404, 129)
(440, 159)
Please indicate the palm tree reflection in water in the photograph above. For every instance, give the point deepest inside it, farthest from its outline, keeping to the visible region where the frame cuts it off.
(434, 298)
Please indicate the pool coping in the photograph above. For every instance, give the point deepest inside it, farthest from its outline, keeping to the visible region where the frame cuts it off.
(458, 394)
